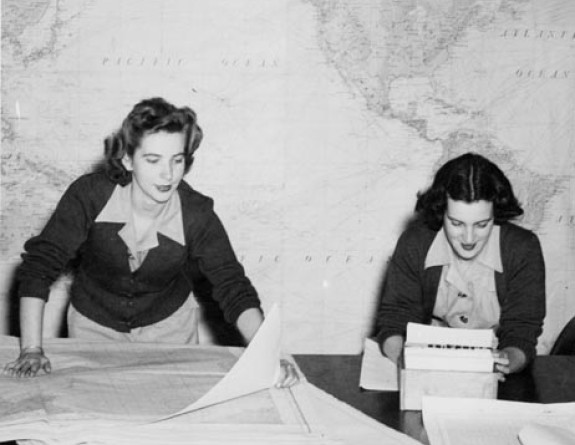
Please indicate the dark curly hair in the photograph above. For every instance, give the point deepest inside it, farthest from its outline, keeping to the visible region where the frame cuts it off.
(147, 117)
(469, 178)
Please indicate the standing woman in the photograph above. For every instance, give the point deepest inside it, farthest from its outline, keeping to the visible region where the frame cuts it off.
(463, 264)
(135, 231)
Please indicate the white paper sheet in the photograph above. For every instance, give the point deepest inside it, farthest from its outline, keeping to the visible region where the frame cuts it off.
(108, 387)
(106, 380)
(377, 371)
(455, 421)
(538, 434)
(337, 419)
(257, 368)
(137, 381)
(422, 334)
(107, 393)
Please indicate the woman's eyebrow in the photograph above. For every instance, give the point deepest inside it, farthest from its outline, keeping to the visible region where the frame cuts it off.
(451, 218)
(484, 220)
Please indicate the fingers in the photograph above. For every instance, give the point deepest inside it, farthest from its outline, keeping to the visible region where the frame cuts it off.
(24, 369)
(501, 359)
(16, 369)
(291, 377)
(502, 369)
(27, 367)
(9, 369)
(34, 368)
(501, 365)
(288, 375)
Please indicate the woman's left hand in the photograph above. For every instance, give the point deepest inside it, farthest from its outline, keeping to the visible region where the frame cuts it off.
(509, 360)
(288, 375)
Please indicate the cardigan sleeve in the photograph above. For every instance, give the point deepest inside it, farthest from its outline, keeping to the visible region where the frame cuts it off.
(211, 250)
(402, 299)
(47, 254)
(523, 308)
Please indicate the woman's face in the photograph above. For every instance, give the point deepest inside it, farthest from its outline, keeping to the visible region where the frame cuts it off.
(468, 226)
(157, 167)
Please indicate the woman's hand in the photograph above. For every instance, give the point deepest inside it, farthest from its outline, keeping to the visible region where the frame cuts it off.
(501, 365)
(29, 363)
(509, 360)
(393, 348)
(288, 375)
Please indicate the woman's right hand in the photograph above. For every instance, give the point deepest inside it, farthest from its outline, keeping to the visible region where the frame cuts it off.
(29, 363)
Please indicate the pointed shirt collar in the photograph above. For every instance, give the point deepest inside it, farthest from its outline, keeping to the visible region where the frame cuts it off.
(169, 223)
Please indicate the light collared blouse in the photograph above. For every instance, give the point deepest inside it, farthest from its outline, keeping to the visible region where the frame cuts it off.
(466, 298)
(410, 289)
(169, 223)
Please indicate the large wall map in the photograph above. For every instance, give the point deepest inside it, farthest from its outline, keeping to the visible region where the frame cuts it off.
(323, 118)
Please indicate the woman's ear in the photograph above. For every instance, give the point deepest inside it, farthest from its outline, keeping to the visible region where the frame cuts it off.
(127, 162)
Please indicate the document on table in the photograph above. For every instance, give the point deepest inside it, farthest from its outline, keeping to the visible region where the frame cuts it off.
(538, 434)
(258, 367)
(448, 349)
(108, 393)
(96, 385)
(454, 421)
(334, 418)
(377, 371)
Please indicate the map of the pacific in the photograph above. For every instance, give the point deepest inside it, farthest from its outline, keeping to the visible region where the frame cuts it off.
(322, 121)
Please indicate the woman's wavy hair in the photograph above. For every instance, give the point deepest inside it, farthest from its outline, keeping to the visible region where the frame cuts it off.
(147, 117)
(469, 178)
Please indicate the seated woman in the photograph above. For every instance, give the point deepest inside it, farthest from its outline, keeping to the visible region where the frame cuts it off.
(135, 232)
(464, 264)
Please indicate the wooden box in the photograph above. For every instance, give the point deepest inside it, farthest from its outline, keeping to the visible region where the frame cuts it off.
(416, 383)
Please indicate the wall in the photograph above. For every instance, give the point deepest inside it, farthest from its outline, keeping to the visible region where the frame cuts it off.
(322, 121)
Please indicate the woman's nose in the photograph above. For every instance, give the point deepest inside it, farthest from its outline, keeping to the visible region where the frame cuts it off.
(469, 235)
(167, 172)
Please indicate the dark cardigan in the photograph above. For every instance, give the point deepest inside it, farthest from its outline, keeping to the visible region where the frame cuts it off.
(104, 288)
(410, 291)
